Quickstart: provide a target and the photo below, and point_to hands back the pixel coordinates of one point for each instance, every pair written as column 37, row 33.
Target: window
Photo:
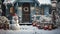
column 37, row 11
column 12, row 10
column 42, row 11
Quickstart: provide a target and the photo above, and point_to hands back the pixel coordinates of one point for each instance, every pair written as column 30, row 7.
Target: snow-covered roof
column 44, row 1
column 9, row 1
column 40, row 1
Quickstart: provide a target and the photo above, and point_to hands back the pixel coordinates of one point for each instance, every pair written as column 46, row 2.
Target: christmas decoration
column 4, row 23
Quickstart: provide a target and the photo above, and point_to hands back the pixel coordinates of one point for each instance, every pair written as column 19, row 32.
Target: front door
column 25, row 12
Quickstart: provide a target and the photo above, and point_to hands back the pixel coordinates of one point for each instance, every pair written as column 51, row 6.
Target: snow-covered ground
column 30, row 30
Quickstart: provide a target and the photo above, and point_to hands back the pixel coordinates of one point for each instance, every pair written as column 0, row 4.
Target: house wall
column 19, row 10
column 46, row 10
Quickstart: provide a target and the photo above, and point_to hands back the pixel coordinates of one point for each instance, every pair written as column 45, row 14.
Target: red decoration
column 34, row 24
column 45, row 27
column 50, row 27
column 14, row 14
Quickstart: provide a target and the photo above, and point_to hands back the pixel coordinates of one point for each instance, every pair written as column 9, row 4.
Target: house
column 26, row 9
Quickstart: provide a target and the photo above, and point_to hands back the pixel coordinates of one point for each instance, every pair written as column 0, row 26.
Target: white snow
column 30, row 31
column 44, row 1
column 9, row 1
